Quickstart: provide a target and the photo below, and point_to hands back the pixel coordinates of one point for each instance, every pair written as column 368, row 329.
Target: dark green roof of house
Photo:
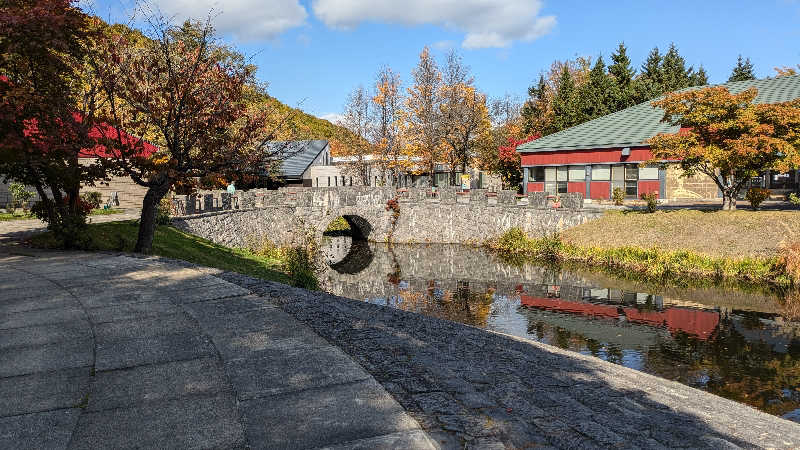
column 633, row 126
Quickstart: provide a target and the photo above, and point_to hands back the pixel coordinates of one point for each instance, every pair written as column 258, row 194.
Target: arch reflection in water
column 345, row 245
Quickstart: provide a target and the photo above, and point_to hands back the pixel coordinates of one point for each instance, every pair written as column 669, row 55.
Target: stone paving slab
column 325, row 416
column 110, row 351
column 44, row 430
column 41, row 317
column 203, row 422
column 43, row 391
column 45, row 334
column 44, row 358
column 152, row 350
column 157, row 382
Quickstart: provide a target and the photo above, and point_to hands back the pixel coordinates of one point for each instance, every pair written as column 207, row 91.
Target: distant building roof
column 633, row 126
column 301, row 155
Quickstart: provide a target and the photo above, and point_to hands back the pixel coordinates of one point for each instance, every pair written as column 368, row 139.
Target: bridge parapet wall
column 337, row 197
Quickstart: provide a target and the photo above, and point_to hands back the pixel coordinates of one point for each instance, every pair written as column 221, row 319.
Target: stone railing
column 214, row 201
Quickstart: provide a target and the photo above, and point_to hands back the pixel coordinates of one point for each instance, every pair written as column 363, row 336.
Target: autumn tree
column 193, row 94
column 728, row 137
column 465, row 116
column 387, row 129
column 48, row 111
column 422, row 113
column 508, row 165
column 536, row 113
column 355, row 145
column 742, row 71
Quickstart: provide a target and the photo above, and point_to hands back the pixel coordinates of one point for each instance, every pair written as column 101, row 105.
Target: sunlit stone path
column 105, row 351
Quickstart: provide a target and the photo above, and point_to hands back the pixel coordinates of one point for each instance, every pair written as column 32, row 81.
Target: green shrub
column 618, row 196
column 756, row 196
column 164, row 212
column 93, row 198
column 652, row 201
column 19, row 195
column 793, row 198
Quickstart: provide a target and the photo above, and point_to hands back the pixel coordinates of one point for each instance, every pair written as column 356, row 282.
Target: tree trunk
column 147, row 222
column 729, row 201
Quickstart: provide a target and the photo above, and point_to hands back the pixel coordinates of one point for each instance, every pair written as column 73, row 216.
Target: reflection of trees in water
column 458, row 305
column 746, row 371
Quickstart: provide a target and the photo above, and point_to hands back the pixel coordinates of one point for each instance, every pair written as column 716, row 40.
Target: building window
column 601, row 173
column 577, row 173
column 631, row 189
column 648, row 173
column 536, row 174
column 561, row 187
column 631, row 172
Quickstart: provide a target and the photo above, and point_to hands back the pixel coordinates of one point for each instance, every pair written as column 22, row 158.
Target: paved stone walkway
column 104, row 351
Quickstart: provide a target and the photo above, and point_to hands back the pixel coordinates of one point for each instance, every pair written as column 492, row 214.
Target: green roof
column 631, row 127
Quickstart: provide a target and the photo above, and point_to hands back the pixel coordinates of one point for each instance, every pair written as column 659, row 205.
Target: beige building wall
column 130, row 194
column 697, row 187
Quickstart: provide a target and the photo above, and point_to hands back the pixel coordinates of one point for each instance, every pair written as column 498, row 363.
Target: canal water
column 734, row 344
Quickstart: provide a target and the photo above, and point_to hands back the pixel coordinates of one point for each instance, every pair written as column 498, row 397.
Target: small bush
column 756, row 196
column 793, row 198
column 618, row 196
column 19, row 195
column 164, row 212
column 652, row 201
column 92, row 198
column 790, row 259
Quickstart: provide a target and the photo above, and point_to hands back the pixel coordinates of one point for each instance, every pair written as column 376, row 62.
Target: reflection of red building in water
column 692, row 321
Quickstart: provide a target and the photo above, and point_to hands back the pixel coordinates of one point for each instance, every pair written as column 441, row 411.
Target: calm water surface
column 731, row 343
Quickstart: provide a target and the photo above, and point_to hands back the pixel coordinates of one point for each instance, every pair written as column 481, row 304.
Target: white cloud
column 245, row 19
column 335, row 118
column 487, row 23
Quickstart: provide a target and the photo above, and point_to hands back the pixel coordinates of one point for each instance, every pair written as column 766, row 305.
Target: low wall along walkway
column 444, row 217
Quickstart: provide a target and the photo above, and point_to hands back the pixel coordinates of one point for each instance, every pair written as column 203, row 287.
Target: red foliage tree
column 48, row 110
column 509, row 166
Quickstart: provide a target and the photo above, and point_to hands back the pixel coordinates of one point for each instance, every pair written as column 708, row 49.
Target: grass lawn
column 105, row 212
column 722, row 234
column 173, row 243
column 4, row 217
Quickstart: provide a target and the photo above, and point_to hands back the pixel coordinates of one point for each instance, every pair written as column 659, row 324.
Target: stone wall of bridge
column 445, row 216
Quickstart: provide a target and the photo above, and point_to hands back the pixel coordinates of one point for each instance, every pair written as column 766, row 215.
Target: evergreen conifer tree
column 534, row 112
column 623, row 94
column 565, row 111
column 743, row 70
column 698, row 78
column 595, row 97
column 674, row 71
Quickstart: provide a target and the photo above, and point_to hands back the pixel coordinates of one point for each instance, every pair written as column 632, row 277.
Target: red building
column 596, row 157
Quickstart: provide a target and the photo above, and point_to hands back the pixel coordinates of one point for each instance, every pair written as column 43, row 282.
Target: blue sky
column 314, row 52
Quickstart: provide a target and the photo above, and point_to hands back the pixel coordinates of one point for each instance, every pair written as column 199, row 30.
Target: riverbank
column 752, row 249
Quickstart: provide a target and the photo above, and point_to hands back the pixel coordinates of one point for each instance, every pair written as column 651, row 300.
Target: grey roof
column 633, row 126
column 299, row 155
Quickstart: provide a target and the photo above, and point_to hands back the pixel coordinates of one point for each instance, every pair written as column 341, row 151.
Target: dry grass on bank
column 725, row 234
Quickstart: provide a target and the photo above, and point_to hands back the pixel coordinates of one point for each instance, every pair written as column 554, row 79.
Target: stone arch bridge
column 283, row 216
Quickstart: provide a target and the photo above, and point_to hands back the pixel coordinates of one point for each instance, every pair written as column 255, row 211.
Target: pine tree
column 595, row 96
column 674, row 71
column 622, row 94
column 565, row 112
column 652, row 66
column 743, row 70
column 534, row 113
column 699, row 78
column 621, row 68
